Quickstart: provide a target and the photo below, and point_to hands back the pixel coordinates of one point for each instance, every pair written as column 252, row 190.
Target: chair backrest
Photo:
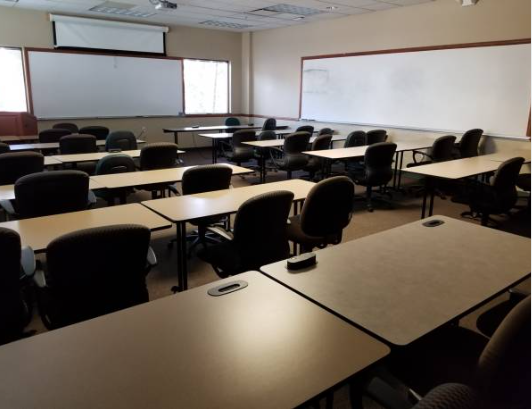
column 14, row 165
column 325, row 131
column 243, row 135
column 123, row 140
column 208, row 178
column 469, row 143
column 503, row 370
column 296, row 142
column 378, row 161
column 73, row 128
column 52, row 135
column 306, row 128
column 451, row 396
column 97, row 271
column 355, row 138
column 376, row 136
column 115, row 163
column 266, row 136
column 4, row 147
column 328, row 207
column 77, row 144
column 160, row 155
column 232, row 121
column 505, row 180
column 12, row 309
column 100, row 132
column 321, row 142
column 260, row 229
column 269, row 125
column 443, row 148
column 46, row 193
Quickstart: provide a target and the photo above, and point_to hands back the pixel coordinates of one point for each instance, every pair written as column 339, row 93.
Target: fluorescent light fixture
column 225, row 24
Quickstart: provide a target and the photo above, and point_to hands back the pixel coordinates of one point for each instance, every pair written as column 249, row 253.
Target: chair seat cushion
column 224, row 258
column 295, row 233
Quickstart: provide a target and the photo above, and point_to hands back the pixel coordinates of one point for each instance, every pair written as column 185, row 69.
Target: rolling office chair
column 377, row 171
column 325, row 131
column 71, row 144
column 47, row 193
column 327, row 210
column 355, row 138
column 123, row 140
column 315, row 164
column 262, row 153
column 232, row 121
column 14, row 165
column 376, row 136
column 73, row 128
column 4, row 148
column 240, row 152
column 94, row 272
column 160, row 155
column 468, row 145
column 441, row 151
column 17, row 264
column 500, row 195
column 53, row 135
column 202, row 179
column 306, row 128
column 293, row 158
column 523, row 183
column 269, row 125
column 110, row 164
column 259, row 236
column 100, row 132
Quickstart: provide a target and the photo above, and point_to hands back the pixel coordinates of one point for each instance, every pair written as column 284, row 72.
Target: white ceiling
column 232, row 15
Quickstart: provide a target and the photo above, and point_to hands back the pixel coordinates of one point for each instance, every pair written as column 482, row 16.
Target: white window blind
column 206, row 87
column 12, row 85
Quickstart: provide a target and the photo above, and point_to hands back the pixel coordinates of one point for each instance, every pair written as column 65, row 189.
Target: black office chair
column 17, row 264
column 241, row 152
column 259, row 236
column 232, row 121
column 53, row 135
column 293, row 158
column 306, row 128
column 355, row 138
column 73, row 128
column 110, row 164
column 14, row 165
column 325, row 131
column 326, row 212
column 160, row 155
column 269, row 125
column 315, row 164
column 71, row 144
column 123, row 140
column 201, row 179
column 500, row 195
column 377, row 171
column 441, row 151
column 468, row 145
column 376, row 136
column 94, row 272
column 47, row 193
column 100, row 132
column 523, row 182
column 4, row 148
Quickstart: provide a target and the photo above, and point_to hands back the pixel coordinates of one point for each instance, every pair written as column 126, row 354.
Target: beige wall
column 276, row 54
column 29, row 28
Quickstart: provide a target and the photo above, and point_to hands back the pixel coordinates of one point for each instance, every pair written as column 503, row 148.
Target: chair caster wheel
column 175, row 289
column 370, row 209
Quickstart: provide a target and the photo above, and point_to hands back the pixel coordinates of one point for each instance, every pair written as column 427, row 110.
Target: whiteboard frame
column 413, row 50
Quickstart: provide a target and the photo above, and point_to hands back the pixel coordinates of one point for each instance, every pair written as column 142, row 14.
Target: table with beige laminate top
column 261, row 346
column 403, row 283
column 91, row 157
column 51, row 145
column 182, row 209
column 7, row 192
column 505, row 155
column 19, row 138
column 38, row 232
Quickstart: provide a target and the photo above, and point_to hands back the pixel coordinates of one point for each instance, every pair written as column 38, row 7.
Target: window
column 12, row 85
column 206, row 87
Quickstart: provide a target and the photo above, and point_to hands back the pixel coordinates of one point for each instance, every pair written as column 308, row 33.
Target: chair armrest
column 27, row 261
column 517, row 294
column 7, row 205
column 39, row 278
column 423, row 154
column 385, row 395
column 151, row 258
column 221, row 232
column 91, row 199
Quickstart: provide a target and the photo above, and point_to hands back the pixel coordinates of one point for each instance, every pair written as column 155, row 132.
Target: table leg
column 214, row 153
column 425, row 193
column 400, row 170
column 431, row 205
column 181, row 262
column 395, row 173
column 263, row 168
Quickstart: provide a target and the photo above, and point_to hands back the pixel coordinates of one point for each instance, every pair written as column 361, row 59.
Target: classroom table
column 403, row 283
column 38, row 232
column 50, row 161
column 504, row 156
column 18, row 138
column 95, row 156
column 51, row 145
column 7, row 192
column 261, row 346
column 182, row 209
column 451, row 170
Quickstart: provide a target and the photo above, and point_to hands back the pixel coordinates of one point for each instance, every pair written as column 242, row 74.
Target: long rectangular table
column 403, row 283
column 91, row 157
column 7, row 192
column 38, row 232
column 51, row 145
column 259, row 347
column 18, row 138
column 505, row 155
column 182, row 209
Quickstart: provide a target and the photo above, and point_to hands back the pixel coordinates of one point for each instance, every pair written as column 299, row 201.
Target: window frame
column 27, row 94
column 228, row 62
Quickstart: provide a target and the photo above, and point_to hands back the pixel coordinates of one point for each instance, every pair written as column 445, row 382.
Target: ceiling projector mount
column 163, row 5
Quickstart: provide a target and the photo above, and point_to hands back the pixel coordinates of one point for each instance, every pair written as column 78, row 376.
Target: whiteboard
column 67, row 85
column 442, row 90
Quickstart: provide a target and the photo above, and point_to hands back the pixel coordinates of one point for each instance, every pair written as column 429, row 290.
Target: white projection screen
column 74, row 85
column 443, row 90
